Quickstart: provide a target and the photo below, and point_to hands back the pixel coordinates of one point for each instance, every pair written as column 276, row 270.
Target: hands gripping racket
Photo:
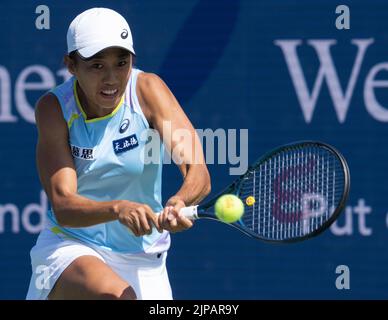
column 294, row 192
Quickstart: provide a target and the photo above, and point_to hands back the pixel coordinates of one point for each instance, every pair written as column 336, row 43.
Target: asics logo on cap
column 124, row 34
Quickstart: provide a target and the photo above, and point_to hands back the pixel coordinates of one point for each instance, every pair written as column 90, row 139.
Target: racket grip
column 190, row 212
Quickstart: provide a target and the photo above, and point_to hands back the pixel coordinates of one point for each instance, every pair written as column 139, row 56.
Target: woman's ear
column 70, row 64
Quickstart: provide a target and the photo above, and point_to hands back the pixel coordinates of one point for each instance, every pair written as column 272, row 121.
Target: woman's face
column 103, row 78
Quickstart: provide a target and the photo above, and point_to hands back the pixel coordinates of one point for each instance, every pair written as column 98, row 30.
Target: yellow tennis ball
column 250, row 201
column 229, row 208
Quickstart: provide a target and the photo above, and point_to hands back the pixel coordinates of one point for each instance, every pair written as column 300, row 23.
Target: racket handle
column 190, row 212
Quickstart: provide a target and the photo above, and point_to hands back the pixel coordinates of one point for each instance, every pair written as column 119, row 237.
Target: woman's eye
column 122, row 63
column 96, row 66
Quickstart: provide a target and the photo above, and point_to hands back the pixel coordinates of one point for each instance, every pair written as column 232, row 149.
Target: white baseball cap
column 96, row 29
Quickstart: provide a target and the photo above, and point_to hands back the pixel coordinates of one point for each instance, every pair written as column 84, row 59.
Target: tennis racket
column 298, row 189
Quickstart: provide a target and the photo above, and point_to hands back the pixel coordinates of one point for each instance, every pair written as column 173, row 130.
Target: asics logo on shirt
column 124, row 126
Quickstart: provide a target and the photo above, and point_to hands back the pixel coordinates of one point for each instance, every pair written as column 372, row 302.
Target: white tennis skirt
column 53, row 253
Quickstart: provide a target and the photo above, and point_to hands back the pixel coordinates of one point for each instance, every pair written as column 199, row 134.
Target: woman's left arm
column 164, row 114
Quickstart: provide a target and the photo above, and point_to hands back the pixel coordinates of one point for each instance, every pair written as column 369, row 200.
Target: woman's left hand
column 170, row 219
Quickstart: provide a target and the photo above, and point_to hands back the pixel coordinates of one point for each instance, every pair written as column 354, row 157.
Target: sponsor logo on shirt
column 82, row 153
column 125, row 144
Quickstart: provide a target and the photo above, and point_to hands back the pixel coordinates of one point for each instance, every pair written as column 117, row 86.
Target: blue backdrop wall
column 280, row 69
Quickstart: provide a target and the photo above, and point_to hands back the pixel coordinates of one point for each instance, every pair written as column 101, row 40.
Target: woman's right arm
column 58, row 177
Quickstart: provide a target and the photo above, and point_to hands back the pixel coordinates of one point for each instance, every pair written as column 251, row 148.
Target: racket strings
column 295, row 192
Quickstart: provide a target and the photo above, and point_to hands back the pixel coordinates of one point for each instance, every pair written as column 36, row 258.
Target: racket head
column 299, row 189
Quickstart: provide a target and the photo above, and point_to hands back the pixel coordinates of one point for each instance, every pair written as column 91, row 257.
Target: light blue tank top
column 112, row 159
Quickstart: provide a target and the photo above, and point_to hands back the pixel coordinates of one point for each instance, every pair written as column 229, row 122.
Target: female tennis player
column 100, row 163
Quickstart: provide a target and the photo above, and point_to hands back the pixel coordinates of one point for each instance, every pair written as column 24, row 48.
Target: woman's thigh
column 88, row 277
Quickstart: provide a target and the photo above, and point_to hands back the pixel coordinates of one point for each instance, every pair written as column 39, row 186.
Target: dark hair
column 72, row 55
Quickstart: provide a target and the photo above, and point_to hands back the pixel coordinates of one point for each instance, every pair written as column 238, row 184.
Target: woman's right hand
column 138, row 217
